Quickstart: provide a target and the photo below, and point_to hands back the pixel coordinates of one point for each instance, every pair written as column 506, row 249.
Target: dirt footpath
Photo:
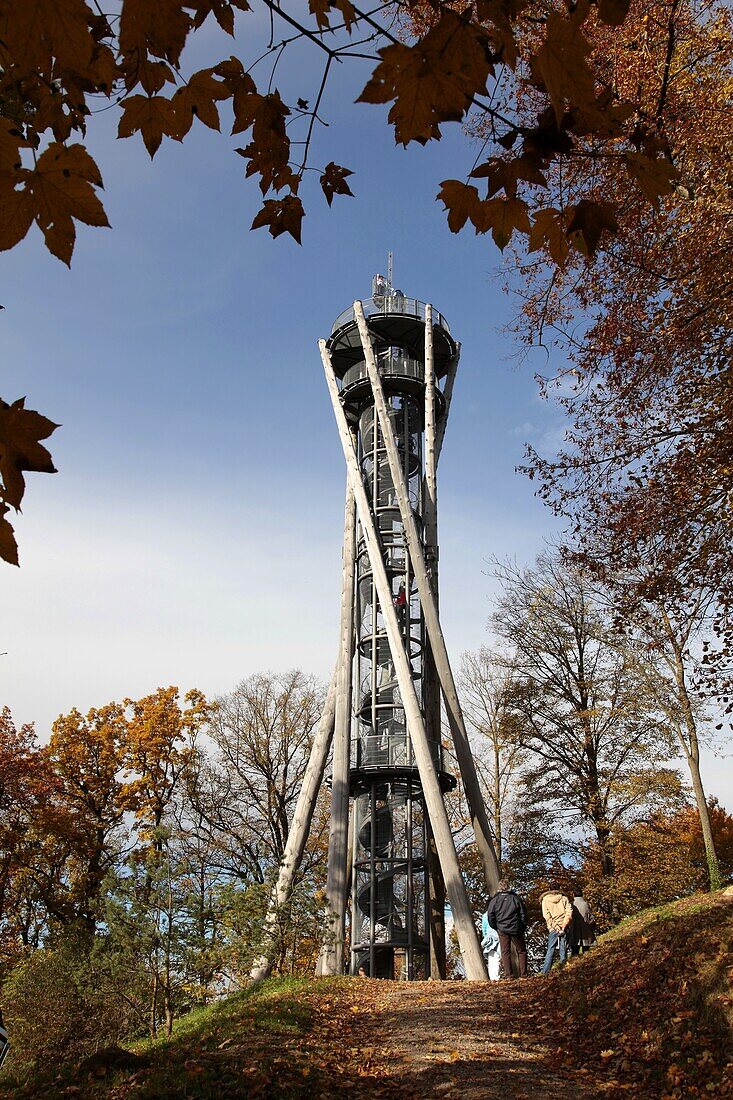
column 454, row 1039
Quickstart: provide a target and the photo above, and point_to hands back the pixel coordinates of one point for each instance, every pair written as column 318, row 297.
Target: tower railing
column 395, row 367
column 391, row 303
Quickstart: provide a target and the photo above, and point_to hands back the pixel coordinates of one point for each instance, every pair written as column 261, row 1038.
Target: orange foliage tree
column 648, row 325
column 658, row 860
column 85, row 753
column 26, row 786
column 127, row 847
column 542, row 79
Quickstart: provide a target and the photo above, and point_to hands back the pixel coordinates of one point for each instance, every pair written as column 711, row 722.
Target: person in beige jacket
column 558, row 913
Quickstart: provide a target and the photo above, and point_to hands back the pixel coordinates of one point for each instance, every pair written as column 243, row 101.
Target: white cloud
column 108, row 605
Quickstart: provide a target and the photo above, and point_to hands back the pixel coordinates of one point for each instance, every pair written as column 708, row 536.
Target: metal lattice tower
column 390, row 365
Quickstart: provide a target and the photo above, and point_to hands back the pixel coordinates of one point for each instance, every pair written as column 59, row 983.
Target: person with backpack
column 558, row 914
column 506, row 913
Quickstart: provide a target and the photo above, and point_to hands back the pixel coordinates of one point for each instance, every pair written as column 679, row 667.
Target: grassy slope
column 283, row 1038
column 648, row 1013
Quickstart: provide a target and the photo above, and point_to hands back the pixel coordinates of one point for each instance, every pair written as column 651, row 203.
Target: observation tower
column 390, row 365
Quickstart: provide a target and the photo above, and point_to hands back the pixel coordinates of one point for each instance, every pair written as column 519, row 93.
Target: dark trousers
column 506, row 939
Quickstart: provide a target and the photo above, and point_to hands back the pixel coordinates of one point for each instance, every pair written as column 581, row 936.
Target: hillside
column 648, row 1013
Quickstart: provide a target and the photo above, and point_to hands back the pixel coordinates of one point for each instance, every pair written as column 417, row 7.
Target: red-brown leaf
column 16, row 210
column 61, row 190
column 333, row 181
column 613, row 12
column 8, row 545
column 152, row 116
column 20, row 449
column 223, row 12
column 11, row 142
column 321, row 8
column 281, row 216
column 548, row 232
column 504, row 174
column 34, row 32
column 502, row 217
column 588, row 223
column 561, row 62
column 461, row 201
column 433, row 81
column 654, row 175
column 198, row 98
column 159, row 28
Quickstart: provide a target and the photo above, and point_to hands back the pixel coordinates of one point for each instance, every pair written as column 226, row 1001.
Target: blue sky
column 192, row 534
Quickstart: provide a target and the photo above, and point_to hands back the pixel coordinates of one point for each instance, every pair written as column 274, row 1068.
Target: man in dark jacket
column 506, row 913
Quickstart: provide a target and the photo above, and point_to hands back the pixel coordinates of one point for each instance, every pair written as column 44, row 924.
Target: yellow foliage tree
column 160, row 739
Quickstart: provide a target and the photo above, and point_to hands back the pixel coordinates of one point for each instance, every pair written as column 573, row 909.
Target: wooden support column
column 466, row 930
column 464, row 755
column 447, row 397
column 331, row 958
column 431, row 684
column 298, row 834
column 430, row 494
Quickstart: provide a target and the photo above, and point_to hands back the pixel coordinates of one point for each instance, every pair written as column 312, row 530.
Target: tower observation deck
column 390, row 365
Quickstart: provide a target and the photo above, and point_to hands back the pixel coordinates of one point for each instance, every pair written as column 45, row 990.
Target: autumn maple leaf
column 333, row 181
column 34, row 34
column 655, row 176
column 561, row 62
column 433, row 81
column 502, row 216
column 58, row 190
column 160, row 28
column 587, row 223
column 21, row 430
column 321, row 8
column 152, row 116
column 281, row 216
column 198, row 98
column 504, row 174
column 8, row 545
column 548, row 232
column 462, row 202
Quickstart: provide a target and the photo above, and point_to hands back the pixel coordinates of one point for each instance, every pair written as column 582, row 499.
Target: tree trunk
column 168, row 1005
column 204, row 973
column 436, row 914
column 693, row 761
column 608, row 868
column 497, row 795
column 691, row 748
column 153, row 1024
column 596, row 808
